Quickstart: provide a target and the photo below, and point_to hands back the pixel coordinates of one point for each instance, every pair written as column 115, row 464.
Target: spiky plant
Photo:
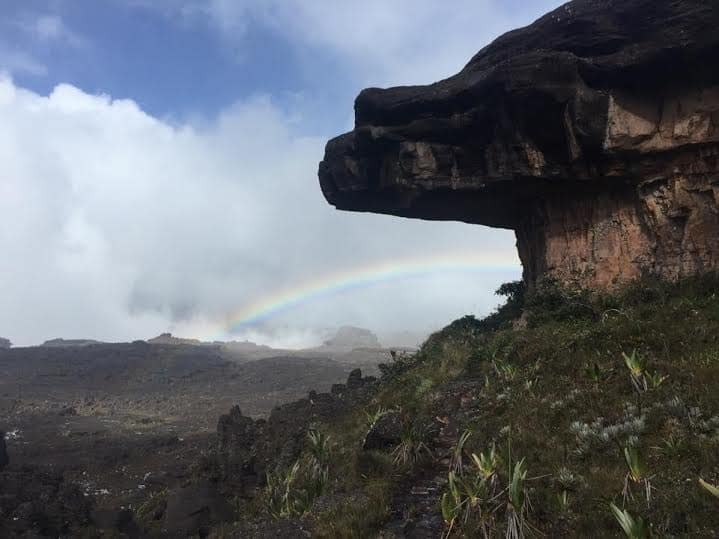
column 595, row 373
column 451, row 502
column 456, row 463
column 636, row 473
column 634, row 528
column 637, row 370
column 318, row 447
column 463, row 500
column 671, row 446
column 518, row 501
column 318, row 458
column 487, row 462
column 563, row 501
column 282, row 493
column 505, row 370
column 412, row 447
column 656, row 379
column 373, row 417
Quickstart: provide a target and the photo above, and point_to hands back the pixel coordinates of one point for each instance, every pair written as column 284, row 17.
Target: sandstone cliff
column 593, row 133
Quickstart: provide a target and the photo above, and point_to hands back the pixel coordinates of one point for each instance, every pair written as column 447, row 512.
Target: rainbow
column 282, row 300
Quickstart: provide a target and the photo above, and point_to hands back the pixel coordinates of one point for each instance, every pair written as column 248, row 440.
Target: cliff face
column 593, row 133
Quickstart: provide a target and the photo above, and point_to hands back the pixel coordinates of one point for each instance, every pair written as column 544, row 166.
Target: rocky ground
column 117, row 424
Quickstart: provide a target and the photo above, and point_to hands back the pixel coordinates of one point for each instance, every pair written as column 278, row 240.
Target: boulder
column 237, row 437
column 593, row 134
column 354, row 380
column 192, row 510
column 385, row 433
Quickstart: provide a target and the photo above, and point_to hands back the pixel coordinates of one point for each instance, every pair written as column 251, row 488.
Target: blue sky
column 179, row 58
column 122, row 120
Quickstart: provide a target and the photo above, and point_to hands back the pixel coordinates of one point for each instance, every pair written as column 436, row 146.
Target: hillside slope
column 597, row 400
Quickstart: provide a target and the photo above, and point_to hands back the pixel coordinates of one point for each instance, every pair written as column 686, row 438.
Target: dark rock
column 192, row 510
column 593, row 134
column 4, row 458
column 5, row 343
column 385, row 433
column 121, row 520
column 248, row 448
column 41, row 504
column 354, row 380
column 68, row 411
column 238, row 436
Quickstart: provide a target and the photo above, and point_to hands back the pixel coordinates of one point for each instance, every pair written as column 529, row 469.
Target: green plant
column 412, row 447
column 671, row 446
column 284, row 498
column 451, row 502
column 655, row 379
column 352, row 520
column 506, row 371
column 373, row 417
column 487, row 462
column 711, row 489
column 637, row 370
column 318, row 458
column 472, row 493
column 567, row 479
column 563, row 501
column 636, row 473
column 596, row 374
column 456, row 462
column 292, row 492
column 634, row 528
column 464, row 499
column 518, row 501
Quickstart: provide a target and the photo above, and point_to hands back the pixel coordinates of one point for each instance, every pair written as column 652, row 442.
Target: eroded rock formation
column 248, row 448
column 593, row 134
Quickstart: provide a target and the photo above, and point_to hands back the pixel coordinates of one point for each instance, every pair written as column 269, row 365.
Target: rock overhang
column 592, row 102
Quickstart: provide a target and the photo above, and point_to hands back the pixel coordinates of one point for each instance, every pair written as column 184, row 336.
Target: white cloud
column 23, row 40
column 380, row 42
column 19, row 62
column 117, row 225
column 50, row 28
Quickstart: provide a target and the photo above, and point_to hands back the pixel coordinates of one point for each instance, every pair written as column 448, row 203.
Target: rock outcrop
column 593, row 134
column 348, row 338
column 248, row 448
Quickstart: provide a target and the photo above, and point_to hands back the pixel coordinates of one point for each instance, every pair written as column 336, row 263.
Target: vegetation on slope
column 591, row 416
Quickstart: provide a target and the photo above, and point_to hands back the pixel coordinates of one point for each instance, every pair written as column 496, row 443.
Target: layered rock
column 593, row 134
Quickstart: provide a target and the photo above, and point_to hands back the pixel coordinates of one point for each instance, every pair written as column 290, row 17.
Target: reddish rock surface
column 593, row 134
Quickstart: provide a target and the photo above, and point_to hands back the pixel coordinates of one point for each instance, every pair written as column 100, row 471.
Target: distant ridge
column 70, row 342
column 168, row 338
